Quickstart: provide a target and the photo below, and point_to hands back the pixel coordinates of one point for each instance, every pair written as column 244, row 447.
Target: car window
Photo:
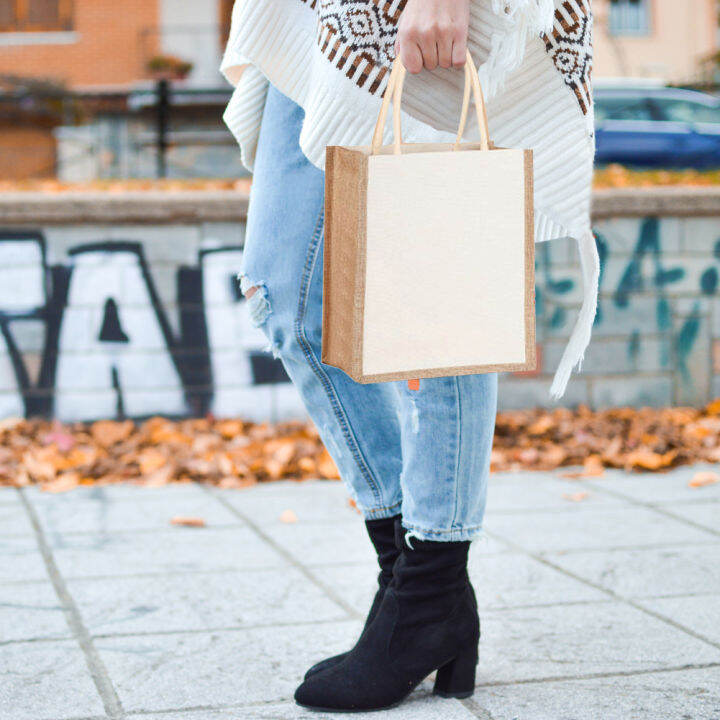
column 686, row 111
column 622, row 107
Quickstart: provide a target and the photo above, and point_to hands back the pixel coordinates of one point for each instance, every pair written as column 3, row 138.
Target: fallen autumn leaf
column 575, row 497
column 288, row 516
column 703, row 479
column 187, row 521
column 233, row 453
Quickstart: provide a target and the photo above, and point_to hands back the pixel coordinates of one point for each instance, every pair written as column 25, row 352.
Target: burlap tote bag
column 429, row 253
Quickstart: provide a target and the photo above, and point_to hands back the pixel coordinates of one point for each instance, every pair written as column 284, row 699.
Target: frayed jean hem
column 379, row 513
column 453, row 535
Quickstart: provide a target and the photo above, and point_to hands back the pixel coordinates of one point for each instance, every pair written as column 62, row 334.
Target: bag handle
column 393, row 92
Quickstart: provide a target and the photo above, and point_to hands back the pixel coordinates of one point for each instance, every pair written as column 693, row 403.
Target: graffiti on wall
column 90, row 338
column 644, row 273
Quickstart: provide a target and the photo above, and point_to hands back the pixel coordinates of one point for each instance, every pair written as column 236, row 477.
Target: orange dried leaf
column 187, row 521
column 108, row 432
column 307, row 466
column 229, row 428
column 575, row 497
column 64, row 482
column 10, row 423
column 288, row 516
column 592, row 467
column 161, row 476
column 151, row 460
column 703, row 479
column 648, row 460
column 326, row 467
column 541, row 426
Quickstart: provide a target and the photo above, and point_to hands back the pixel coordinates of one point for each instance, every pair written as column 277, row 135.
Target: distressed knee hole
column 258, row 303
column 257, row 299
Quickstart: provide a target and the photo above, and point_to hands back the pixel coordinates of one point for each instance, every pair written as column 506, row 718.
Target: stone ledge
column 682, row 201
column 149, row 208
column 194, row 206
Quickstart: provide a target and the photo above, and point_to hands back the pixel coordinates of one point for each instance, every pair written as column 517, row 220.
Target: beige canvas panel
column 445, row 243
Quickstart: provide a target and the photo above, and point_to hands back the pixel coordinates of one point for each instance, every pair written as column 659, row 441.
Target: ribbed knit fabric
column 534, row 58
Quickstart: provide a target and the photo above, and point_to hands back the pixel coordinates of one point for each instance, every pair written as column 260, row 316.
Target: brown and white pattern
column 358, row 36
column 570, row 46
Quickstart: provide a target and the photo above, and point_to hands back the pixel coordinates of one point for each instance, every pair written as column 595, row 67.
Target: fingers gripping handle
column 393, row 93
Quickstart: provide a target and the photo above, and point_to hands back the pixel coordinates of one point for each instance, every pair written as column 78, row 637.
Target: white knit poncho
column 534, row 57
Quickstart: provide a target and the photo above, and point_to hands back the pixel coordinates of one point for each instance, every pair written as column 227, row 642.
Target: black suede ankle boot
column 427, row 621
column 382, row 535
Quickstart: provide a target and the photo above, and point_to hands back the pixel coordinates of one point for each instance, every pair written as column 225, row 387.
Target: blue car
column 657, row 127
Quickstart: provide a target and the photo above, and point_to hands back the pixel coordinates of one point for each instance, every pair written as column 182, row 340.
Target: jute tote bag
column 429, row 253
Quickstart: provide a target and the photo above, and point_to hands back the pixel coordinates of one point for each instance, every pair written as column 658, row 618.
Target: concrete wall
column 128, row 304
column 681, row 35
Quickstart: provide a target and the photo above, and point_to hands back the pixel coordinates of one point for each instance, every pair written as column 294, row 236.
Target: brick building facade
column 93, row 46
column 94, row 43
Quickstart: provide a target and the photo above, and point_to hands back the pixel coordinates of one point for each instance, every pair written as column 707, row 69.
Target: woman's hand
column 432, row 33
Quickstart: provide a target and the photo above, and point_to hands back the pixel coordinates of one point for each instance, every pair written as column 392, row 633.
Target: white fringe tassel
column 580, row 338
column 525, row 19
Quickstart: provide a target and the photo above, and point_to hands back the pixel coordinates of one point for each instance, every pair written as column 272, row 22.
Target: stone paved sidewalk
column 605, row 608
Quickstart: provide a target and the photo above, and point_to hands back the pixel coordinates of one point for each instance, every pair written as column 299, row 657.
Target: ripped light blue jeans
column 423, row 453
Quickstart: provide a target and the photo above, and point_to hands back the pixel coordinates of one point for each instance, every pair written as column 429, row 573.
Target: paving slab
column 522, row 492
column 514, row 580
column 701, row 512
column 421, row 705
column 668, row 487
column 132, row 512
column 31, row 611
column 14, row 520
column 701, row 613
column 20, row 559
column 576, row 640
column 211, row 669
column 178, row 549
column 355, row 583
column 323, row 501
column 8, row 496
column 601, row 529
column 684, row 695
column 648, row 572
column 46, row 681
column 315, row 544
column 201, row 601
column 116, row 492
column 222, row 622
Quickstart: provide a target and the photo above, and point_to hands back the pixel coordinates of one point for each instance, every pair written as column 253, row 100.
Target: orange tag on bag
column 414, row 384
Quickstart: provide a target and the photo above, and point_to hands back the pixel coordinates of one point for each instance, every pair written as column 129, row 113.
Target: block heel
column 456, row 679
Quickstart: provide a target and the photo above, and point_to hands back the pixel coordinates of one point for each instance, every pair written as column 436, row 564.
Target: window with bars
column 35, row 15
column 629, row 17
